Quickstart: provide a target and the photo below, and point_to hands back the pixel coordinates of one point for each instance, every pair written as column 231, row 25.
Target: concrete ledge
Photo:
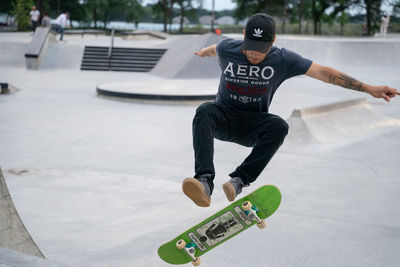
column 83, row 32
column 6, row 88
column 161, row 90
column 327, row 108
column 154, row 96
column 148, row 34
column 336, row 125
column 13, row 258
column 37, row 47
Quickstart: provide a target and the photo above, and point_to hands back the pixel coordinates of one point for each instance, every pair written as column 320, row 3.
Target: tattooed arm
column 336, row 77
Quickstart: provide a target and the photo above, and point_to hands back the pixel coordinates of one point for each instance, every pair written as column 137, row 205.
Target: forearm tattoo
column 346, row 81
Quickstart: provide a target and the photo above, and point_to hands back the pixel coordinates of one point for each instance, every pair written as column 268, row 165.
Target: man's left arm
column 332, row 76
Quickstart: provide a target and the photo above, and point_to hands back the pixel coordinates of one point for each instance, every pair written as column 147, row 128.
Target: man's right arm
column 335, row 77
column 209, row 51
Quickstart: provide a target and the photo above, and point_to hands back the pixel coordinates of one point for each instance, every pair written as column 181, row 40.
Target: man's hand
column 384, row 92
column 210, row 51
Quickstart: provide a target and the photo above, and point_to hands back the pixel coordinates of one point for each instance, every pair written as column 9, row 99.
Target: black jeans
column 33, row 25
column 263, row 131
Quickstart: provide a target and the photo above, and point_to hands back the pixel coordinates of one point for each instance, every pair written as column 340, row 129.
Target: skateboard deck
column 222, row 226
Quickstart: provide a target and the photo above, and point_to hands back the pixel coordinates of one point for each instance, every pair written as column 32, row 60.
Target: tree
column 372, row 8
column 245, row 8
column 343, row 20
column 120, row 9
column 284, row 14
column 22, row 11
column 183, row 6
column 319, row 8
column 300, row 14
column 6, row 6
column 298, row 11
column 94, row 7
column 134, row 12
column 163, row 6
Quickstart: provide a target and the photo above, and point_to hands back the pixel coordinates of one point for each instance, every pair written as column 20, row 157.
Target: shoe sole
column 230, row 191
column 194, row 190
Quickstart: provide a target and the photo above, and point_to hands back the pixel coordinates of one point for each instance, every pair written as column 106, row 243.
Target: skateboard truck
column 251, row 213
column 190, row 250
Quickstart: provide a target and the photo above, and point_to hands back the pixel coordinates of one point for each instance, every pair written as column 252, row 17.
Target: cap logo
column 257, row 32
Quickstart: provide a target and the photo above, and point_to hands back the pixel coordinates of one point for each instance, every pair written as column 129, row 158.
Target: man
column 35, row 15
column 46, row 22
column 252, row 70
column 384, row 24
column 61, row 23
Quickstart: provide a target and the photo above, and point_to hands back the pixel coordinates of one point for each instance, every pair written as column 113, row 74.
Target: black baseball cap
column 260, row 32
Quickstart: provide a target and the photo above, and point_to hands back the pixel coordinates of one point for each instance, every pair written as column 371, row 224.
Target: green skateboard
column 222, row 226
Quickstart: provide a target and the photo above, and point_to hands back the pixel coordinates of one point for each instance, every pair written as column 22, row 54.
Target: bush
column 22, row 11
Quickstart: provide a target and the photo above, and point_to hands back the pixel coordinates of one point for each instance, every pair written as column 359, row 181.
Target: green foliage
column 6, row 6
column 312, row 13
column 246, row 8
column 22, row 10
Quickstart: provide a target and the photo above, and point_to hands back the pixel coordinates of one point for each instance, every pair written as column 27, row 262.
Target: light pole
column 213, row 16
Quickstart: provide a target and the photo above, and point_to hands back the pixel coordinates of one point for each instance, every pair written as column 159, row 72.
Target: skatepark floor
column 97, row 181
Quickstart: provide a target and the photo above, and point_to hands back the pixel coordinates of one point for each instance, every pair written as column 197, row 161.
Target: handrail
column 110, row 48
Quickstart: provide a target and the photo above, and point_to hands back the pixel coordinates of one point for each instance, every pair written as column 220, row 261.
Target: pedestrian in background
column 384, row 24
column 46, row 22
column 35, row 15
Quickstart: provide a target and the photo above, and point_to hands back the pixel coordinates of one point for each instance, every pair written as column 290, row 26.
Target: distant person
column 384, row 24
column 61, row 23
column 46, row 22
column 35, row 15
column 364, row 30
column 252, row 70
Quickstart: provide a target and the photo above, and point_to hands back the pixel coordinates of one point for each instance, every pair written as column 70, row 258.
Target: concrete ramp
column 180, row 62
column 361, row 53
column 336, row 125
column 13, row 234
column 12, row 258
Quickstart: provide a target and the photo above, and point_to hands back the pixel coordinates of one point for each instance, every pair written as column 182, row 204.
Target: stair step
column 144, row 59
column 117, row 69
column 122, row 58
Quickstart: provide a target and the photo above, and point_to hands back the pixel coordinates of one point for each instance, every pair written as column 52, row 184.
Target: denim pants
column 263, row 131
column 57, row 28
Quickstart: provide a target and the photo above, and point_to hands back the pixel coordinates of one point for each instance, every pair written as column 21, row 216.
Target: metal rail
column 110, row 49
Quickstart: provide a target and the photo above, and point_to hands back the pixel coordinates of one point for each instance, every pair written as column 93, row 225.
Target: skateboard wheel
column 262, row 224
column 197, row 262
column 246, row 205
column 180, row 244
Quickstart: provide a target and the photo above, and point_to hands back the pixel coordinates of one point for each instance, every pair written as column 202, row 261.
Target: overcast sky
column 219, row 4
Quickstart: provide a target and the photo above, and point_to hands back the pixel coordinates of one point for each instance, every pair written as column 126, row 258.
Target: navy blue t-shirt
column 251, row 87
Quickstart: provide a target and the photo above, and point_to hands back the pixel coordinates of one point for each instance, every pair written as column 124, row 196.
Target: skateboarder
column 61, row 23
column 252, row 70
